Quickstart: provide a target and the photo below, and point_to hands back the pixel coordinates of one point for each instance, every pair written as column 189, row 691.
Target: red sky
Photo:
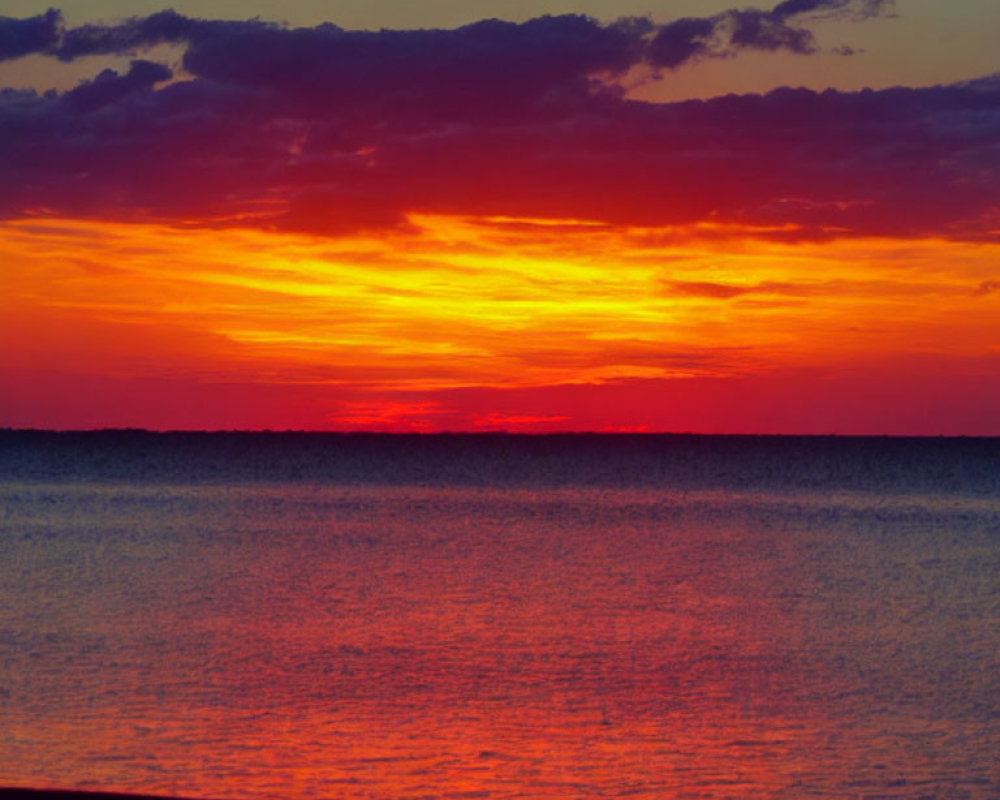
column 513, row 224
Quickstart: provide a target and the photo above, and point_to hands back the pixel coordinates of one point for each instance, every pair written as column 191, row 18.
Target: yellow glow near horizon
column 457, row 301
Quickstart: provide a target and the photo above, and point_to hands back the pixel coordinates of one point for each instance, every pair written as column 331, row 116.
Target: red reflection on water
column 444, row 643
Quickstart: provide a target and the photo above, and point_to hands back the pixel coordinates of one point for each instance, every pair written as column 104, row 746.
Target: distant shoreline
column 72, row 794
column 483, row 434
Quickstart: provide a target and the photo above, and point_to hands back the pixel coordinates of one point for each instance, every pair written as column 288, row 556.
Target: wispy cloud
column 724, row 35
column 727, row 290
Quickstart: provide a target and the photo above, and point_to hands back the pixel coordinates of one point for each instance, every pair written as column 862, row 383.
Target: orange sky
column 390, row 331
column 459, row 249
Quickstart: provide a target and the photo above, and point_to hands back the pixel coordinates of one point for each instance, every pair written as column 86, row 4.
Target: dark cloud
column 575, row 43
column 109, row 87
column 489, row 69
column 19, row 37
column 857, row 9
column 682, row 40
column 131, row 35
column 572, row 41
column 753, row 29
column 329, row 130
column 724, row 34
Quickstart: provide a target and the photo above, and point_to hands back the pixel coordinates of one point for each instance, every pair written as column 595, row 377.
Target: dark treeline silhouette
column 682, row 461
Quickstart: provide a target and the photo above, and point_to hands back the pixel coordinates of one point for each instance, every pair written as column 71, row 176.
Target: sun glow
column 465, row 302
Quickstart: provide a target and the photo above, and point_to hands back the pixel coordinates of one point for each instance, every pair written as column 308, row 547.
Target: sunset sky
column 527, row 216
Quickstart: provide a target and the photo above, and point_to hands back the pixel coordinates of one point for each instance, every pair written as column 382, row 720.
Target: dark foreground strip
column 55, row 794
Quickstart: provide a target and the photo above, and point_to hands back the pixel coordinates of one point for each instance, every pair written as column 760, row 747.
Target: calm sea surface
column 294, row 616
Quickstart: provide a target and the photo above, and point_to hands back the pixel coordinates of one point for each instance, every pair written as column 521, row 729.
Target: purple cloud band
column 621, row 44
column 329, row 130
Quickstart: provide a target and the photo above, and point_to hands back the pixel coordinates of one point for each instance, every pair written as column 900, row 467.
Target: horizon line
column 485, row 433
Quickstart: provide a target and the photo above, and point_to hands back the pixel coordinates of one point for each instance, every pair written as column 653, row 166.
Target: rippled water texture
column 300, row 639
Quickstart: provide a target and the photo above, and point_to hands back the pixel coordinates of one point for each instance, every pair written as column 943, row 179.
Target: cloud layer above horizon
column 329, row 131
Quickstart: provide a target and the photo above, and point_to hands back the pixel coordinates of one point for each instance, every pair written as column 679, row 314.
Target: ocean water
column 305, row 616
